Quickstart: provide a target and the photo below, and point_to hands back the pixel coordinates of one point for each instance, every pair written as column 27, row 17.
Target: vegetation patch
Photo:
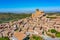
column 4, row 38
column 35, row 37
column 51, row 17
column 52, row 31
column 57, row 34
column 6, row 17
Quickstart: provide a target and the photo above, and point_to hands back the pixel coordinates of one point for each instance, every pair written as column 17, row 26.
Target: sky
column 29, row 5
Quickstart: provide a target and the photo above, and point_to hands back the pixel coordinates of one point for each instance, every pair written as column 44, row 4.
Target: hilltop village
column 37, row 24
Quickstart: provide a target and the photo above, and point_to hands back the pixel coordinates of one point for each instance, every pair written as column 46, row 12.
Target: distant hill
column 6, row 17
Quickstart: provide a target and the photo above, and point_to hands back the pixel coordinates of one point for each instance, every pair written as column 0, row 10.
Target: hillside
column 37, row 24
column 6, row 17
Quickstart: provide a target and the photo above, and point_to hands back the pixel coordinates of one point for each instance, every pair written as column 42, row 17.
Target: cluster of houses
column 36, row 24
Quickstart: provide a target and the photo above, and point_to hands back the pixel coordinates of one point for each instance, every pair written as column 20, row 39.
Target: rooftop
column 19, row 35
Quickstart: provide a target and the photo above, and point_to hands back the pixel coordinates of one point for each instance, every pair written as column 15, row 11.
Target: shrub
column 34, row 37
column 53, row 31
column 4, row 38
column 57, row 34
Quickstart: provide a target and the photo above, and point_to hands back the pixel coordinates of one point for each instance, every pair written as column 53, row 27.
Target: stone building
column 37, row 13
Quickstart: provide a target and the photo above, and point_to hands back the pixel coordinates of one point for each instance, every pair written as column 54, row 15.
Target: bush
column 53, row 31
column 4, row 38
column 34, row 37
column 57, row 34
